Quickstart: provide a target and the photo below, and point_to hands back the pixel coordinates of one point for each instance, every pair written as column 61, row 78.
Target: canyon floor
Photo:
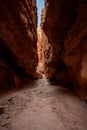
column 42, row 105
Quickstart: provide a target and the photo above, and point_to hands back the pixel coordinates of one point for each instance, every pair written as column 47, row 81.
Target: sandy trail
column 42, row 106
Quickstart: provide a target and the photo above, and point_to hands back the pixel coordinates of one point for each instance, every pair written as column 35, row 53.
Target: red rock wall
column 60, row 16
column 18, row 36
column 41, row 47
column 66, row 27
column 75, row 51
column 44, row 48
column 47, row 48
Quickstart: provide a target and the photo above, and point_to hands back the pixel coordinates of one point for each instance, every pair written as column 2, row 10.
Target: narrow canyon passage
column 43, row 65
column 42, row 105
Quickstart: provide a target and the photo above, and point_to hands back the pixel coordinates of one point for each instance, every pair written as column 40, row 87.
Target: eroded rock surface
column 18, row 39
column 66, row 27
column 60, row 16
column 42, row 46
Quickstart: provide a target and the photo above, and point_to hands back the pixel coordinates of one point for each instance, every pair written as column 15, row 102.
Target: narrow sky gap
column 40, row 5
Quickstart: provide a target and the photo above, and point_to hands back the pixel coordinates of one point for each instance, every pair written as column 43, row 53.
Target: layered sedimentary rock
column 66, row 27
column 18, row 39
column 44, row 48
column 47, row 48
column 75, row 51
column 42, row 45
column 60, row 16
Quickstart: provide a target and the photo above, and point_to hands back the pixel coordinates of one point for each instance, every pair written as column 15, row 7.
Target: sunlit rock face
column 44, row 48
column 47, row 48
column 66, row 27
column 18, row 38
column 40, row 45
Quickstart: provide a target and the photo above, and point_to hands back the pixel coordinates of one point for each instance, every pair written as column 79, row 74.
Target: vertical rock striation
column 66, row 27
column 60, row 16
column 18, row 39
column 75, row 51
column 44, row 48
column 40, row 44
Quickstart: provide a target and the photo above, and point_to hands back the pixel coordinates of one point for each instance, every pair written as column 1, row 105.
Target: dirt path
column 42, row 106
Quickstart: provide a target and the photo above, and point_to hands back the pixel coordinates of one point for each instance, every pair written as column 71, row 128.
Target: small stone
column 4, row 124
column 54, row 107
column 10, row 99
column 8, row 117
column 1, row 110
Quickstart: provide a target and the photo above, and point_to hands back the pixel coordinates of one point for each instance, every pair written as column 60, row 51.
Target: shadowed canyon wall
column 18, row 40
column 66, row 27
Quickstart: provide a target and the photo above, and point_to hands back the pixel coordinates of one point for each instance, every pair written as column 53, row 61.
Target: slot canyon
column 43, row 69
